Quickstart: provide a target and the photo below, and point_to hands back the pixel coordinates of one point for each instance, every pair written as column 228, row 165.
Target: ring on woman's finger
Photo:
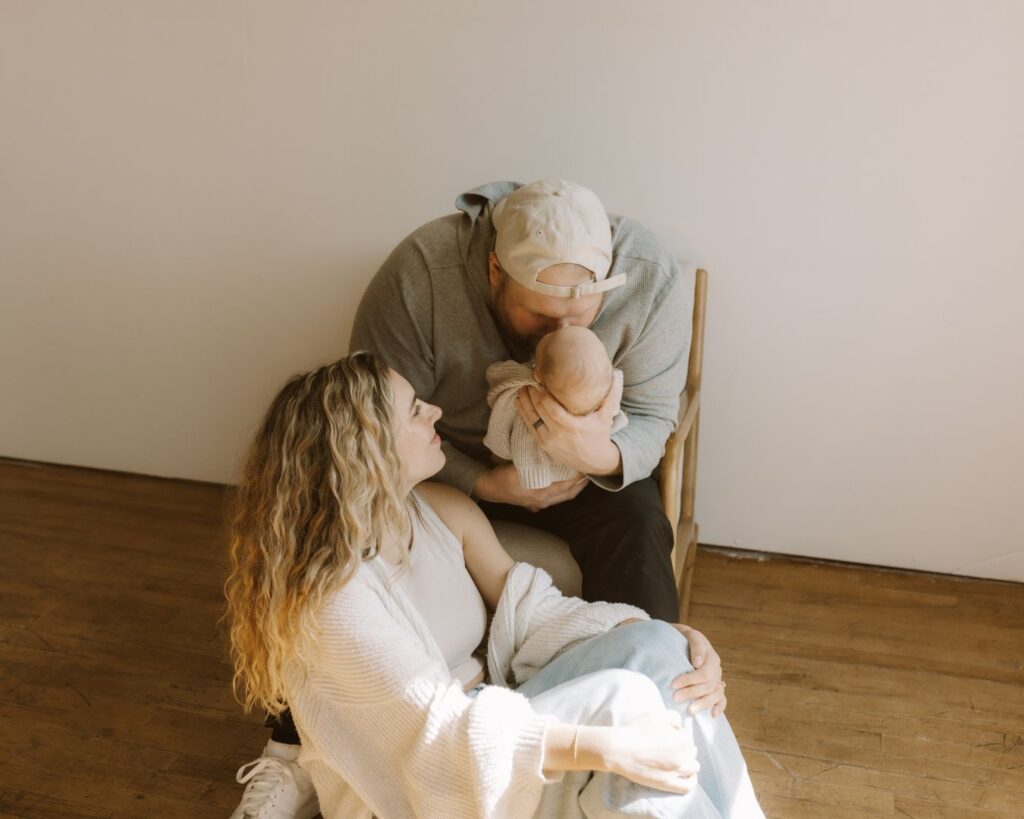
column 722, row 683
column 538, row 423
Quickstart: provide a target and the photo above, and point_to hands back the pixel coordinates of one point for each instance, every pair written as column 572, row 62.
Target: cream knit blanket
column 507, row 435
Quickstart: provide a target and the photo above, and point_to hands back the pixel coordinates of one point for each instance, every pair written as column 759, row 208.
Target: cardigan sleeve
column 534, row 621
column 390, row 721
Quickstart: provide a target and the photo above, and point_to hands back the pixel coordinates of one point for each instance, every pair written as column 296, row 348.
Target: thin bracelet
column 576, row 748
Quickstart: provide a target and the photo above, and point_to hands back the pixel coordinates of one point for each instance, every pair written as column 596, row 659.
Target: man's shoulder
column 633, row 243
column 413, row 267
column 435, row 243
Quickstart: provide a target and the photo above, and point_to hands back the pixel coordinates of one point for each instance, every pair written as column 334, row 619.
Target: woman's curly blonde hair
column 320, row 488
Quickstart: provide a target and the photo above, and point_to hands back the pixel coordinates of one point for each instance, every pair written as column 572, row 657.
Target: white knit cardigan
column 507, row 435
column 387, row 731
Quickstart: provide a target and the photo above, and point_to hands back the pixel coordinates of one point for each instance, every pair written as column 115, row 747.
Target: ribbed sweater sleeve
column 386, row 717
column 654, row 366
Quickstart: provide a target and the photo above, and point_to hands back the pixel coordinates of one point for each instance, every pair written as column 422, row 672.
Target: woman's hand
column 651, row 750
column 704, row 685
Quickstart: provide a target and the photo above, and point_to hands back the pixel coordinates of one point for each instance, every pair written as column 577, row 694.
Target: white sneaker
column 276, row 787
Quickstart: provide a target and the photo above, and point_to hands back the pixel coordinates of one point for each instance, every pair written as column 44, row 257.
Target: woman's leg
column 275, row 783
column 575, row 686
column 283, row 728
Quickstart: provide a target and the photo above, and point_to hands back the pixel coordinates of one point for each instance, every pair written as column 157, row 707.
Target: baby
column 572, row 365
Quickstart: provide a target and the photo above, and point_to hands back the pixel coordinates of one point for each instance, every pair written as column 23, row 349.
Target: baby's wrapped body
column 507, row 435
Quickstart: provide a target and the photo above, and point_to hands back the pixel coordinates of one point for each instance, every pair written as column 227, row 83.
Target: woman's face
column 419, row 447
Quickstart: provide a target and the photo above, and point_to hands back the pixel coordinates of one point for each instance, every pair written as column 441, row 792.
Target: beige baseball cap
column 554, row 222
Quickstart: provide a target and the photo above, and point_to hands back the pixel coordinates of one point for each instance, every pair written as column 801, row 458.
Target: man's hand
column 501, row 485
column 704, row 685
column 580, row 441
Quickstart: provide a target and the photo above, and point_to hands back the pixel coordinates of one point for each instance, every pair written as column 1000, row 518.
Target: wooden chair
column 677, row 476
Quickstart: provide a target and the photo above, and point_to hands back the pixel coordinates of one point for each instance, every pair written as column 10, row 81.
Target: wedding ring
column 538, row 423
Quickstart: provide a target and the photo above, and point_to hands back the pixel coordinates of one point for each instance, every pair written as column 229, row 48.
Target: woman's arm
column 385, row 714
column 489, row 564
column 651, row 750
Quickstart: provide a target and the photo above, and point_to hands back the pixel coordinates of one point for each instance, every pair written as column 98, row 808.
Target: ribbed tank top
column 438, row 584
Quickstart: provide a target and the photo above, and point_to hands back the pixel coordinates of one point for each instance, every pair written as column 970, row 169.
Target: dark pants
column 622, row 542
column 284, row 729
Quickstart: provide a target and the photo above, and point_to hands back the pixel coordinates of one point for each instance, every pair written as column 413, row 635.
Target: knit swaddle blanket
column 507, row 435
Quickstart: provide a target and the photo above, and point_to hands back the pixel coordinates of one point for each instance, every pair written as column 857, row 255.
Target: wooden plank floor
column 854, row 692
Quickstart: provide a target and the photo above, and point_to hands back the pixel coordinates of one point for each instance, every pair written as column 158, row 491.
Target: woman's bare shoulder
column 456, row 509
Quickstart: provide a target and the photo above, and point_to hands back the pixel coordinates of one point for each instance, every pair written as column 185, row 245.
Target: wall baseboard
column 29, row 464
column 763, row 556
column 728, row 551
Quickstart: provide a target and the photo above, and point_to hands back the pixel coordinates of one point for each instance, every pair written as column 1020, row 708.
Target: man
column 484, row 285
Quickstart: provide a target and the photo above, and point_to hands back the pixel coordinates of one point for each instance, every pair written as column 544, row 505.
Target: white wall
column 193, row 195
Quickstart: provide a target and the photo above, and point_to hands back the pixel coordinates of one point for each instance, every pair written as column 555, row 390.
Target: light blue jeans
column 614, row 678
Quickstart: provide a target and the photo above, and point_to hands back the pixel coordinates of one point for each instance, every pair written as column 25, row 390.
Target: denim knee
column 626, row 696
column 652, row 645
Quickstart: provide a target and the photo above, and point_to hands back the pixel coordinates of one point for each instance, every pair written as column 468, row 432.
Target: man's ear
column 493, row 270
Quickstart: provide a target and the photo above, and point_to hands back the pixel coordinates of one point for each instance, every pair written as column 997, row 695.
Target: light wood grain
column 678, row 468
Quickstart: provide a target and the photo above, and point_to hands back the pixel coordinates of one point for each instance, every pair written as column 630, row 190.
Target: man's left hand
column 580, row 441
column 704, row 685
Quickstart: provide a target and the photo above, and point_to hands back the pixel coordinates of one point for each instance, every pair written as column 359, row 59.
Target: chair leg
column 686, row 584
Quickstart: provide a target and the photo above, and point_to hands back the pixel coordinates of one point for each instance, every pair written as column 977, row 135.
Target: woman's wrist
column 591, row 748
column 575, row 748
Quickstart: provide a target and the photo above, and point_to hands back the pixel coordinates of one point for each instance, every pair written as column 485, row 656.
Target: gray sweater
column 428, row 313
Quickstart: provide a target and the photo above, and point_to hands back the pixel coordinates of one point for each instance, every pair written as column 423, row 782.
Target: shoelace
column 263, row 776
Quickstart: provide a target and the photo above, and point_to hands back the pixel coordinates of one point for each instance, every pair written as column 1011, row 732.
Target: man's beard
column 521, row 346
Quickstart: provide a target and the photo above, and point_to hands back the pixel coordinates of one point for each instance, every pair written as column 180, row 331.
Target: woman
column 357, row 597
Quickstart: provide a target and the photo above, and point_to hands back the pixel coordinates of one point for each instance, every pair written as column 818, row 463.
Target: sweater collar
column 476, row 233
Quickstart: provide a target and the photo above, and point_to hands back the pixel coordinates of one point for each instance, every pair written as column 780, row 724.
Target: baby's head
column 573, row 366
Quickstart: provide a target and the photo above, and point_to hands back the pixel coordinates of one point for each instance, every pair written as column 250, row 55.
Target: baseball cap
column 554, row 222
